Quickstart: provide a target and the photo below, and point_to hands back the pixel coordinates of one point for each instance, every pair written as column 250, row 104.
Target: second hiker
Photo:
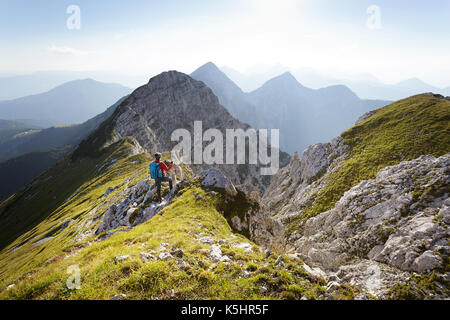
column 158, row 171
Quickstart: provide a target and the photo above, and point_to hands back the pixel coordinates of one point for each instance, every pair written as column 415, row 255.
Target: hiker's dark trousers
column 158, row 182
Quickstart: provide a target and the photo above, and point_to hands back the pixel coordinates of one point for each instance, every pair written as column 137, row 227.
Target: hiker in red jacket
column 158, row 171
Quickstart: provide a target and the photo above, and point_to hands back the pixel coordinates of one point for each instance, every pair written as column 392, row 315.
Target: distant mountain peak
column 72, row 102
column 210, row 64
column 286, row 80
column 87, row 82
column 215, row 78
column 209, row 67
column 418, row 85
column 339, row 88
column 287, row 75
column 414, row 80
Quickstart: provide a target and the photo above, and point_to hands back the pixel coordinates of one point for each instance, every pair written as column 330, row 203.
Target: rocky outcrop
column 400, row 218
column 438, row 96
column 241, row 206
column 135, row 208
column 364, row 117
column 295, row 186
column 382, row 230
column 213, row 178
column 261, row 227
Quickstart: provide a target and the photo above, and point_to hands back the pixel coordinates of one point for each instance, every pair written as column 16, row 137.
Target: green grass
column 419, row 287
column 178, row 225
column 399, row 132
column 27, row 221
column 40, row 272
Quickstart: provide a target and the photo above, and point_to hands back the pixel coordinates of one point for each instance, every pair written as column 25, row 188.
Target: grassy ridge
column 399, row 132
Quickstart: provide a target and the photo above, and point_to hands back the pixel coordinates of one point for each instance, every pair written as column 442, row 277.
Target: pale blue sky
column 146, row 37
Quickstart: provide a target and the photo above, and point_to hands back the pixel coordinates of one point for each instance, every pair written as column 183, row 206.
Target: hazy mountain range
column 70, row 103
column 17, row 86
column 27, row 153
column 366, row 86
column 303, row 115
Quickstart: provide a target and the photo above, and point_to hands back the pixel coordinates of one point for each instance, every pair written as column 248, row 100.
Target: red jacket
column 163, row 167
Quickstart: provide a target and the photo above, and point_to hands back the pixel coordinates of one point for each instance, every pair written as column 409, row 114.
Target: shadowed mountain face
column 70, row 103
column 31, row 140
column 303, row 115
column 9, row 128
column 17, row 172
column 27, row 153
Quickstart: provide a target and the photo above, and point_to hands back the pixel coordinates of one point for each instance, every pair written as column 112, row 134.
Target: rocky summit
column 171, row 101
column 364, row 216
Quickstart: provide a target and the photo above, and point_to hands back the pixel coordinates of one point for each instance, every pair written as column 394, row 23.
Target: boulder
column 120, row 296
column 145, row 257
column 165, row 256
column 214, row 178
column 426, row 262
column 177, row 253
column 247, row 247
column 181, row 264
column 122, row 258
column 215, row 253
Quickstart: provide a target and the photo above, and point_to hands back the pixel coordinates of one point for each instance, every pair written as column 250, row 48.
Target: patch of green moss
column 420, row 287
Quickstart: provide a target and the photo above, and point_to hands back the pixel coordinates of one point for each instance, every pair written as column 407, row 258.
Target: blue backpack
column 155, row 170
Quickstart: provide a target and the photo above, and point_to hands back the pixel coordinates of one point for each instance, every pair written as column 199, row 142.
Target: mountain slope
column 229, row 94
column 187, row 250
column 70, row 103
column 54, row 137
column 17, row 172
column 365, row 216
column 304, row 115
column 10, row 128
column 372, row 195
column 171, row 101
